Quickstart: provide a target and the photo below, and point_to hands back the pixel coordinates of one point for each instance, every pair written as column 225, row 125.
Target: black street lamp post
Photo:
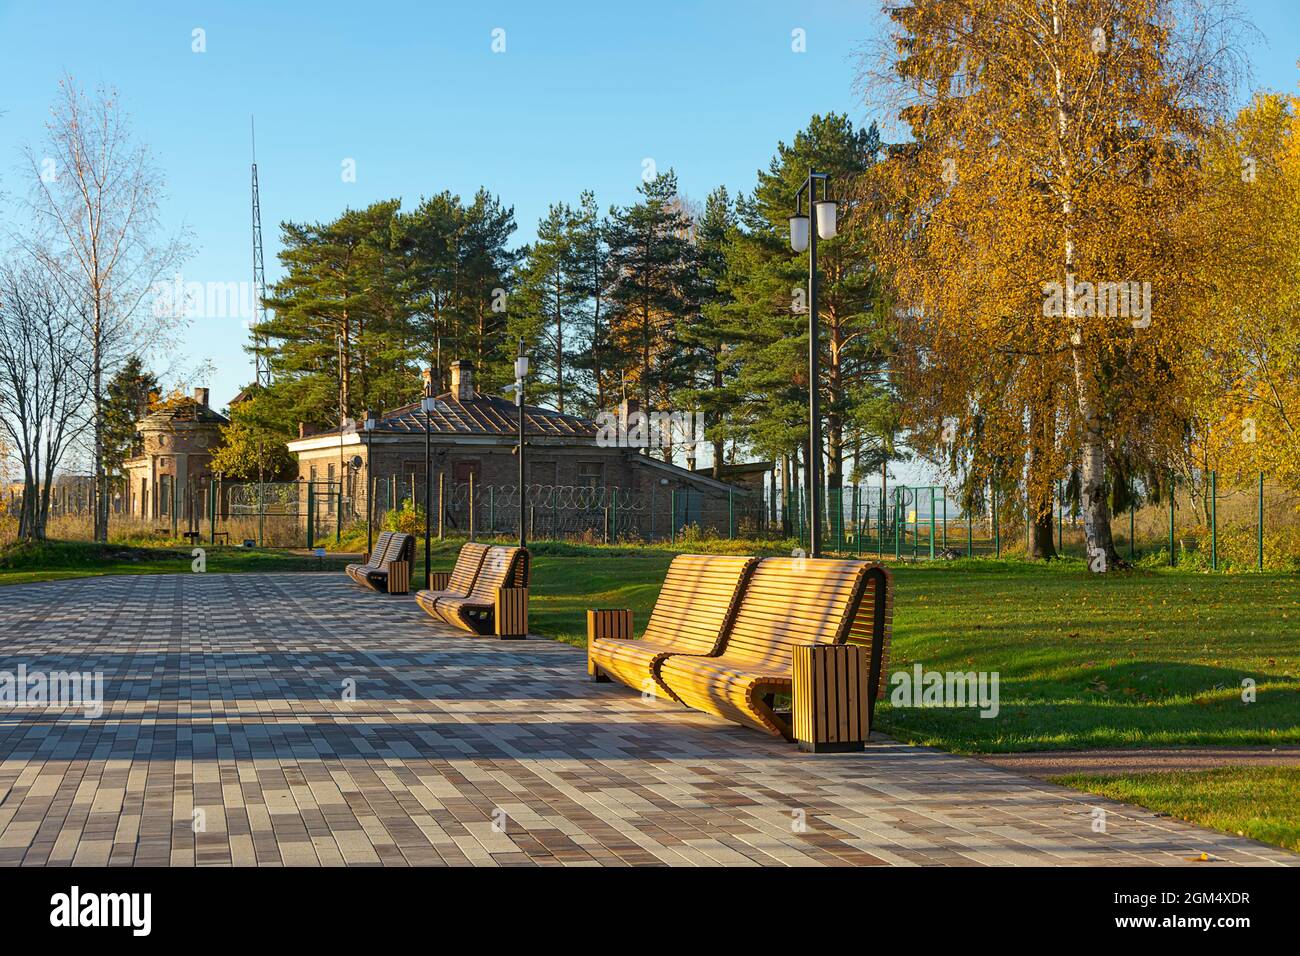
column 370, row 481
column 426, row 404
column 802, row 237
column 521, row 373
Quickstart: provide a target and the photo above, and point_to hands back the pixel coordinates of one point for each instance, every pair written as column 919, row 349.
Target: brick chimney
column 201, row 396
column 626, row 409
column 462, row 381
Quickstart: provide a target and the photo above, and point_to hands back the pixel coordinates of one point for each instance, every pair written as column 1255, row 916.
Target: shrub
column 408, row 519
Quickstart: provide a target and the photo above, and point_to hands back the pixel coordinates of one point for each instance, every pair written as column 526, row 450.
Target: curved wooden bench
column 459, row 582
column 786, row 602
column 374, row 575
column 374, row 560
column 498, row 601
column 690, row 616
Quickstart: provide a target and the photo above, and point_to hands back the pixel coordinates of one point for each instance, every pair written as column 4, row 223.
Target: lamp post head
column 799, row 232
column 826, row 212
column 521, row 363
column 370, row 421
column 428, row 404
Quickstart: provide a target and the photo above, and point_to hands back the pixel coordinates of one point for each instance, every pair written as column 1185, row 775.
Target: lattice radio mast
column 259, row 279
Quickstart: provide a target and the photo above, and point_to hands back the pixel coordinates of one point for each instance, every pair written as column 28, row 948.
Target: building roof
column 742, row 468
column 181, row 412
column 482, row 415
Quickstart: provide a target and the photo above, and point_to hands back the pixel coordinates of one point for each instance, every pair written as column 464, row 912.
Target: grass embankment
column 1262, row 803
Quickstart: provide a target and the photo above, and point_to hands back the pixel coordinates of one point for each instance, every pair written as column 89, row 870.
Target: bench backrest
column 401, row 548
column 379, row 553
column 464, row 573
column 789, row 601
column 498, row 570
column 697, row 600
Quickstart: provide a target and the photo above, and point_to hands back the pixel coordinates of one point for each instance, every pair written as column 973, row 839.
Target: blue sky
column 413, row 93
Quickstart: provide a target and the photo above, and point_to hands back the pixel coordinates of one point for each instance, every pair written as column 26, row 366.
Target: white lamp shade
column 826, row 212
column 521, row 367
column 428, row 404
column 798, row 233
column 370, row 423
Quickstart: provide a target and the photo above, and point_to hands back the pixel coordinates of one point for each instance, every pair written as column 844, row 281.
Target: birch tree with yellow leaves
column 1248, row 400
column 1032, row 230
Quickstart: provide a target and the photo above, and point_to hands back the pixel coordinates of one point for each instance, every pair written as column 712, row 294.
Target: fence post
column 338, row 513
column 1132, row 509
column 492, row 510
column 672, row 516
column 1214, row 521
column 731, row 514
column 1172, row 559
column 1261, row 521
column 970, row 532
column 442, row 508
column 857, row 519
column 916, row 524
column 311, row 516
column 945, row 519
column 471, row 506
column 613, row 515
column 898, row 549
column 997, row 530
column 212, row 511
column 932, row 522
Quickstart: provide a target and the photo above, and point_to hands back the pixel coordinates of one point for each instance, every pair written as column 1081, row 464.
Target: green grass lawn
column 1141, row 658
column 1262, row 803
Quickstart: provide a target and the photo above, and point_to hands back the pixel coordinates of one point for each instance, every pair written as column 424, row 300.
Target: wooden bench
column 784, row 604
column 456, row 583
column 391, row 546
column 357, row 571
column 498, row 601
column 690, row 616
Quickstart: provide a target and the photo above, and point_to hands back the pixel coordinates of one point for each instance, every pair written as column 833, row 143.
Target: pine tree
column 543, row 310
column 651, row 289
column 767, row 283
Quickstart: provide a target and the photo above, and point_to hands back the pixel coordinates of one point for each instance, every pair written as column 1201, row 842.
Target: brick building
column 572, row 479
column 176, row 444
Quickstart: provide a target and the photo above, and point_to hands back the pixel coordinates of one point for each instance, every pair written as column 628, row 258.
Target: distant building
column 572, row 479
column 176, row 445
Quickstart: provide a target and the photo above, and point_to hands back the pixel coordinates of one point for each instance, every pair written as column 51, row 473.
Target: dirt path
column 1055, row 763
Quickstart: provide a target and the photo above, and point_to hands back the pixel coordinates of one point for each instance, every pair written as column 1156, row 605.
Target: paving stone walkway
column 231, row 735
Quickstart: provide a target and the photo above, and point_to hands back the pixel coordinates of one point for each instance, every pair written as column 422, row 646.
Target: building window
column 461, row 470
column 591, row 474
